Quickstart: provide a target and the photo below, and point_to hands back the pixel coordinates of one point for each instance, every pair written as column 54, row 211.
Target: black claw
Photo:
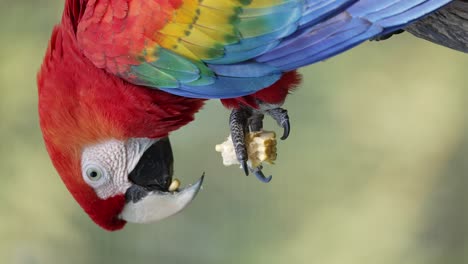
column 280, row 115
column 287, row 129
column 260, row 176
column 245, row 167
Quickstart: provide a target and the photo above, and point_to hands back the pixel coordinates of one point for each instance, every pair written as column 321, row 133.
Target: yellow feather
column 173, row 44
column 221, row 5
column 219, row 19
column 221, row 37
column 200, row 29
column 175, row 29
column 183, row 16
column 265, row 3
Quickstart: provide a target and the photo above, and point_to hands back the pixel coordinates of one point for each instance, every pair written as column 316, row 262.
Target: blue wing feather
column 364, row 20
column 319, row 11
column 227, row 87
column 298, row 33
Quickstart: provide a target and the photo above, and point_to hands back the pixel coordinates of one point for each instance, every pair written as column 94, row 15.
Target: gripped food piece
column 261, row 147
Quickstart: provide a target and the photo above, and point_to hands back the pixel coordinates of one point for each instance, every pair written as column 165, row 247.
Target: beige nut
column 175, row 184
column 261, row 147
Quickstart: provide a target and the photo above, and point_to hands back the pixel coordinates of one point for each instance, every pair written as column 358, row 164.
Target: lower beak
column 149, row 198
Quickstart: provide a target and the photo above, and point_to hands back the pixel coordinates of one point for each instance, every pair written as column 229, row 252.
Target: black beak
column 153, row 172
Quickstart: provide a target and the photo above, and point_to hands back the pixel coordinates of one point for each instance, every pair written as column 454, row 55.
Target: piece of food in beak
column 175, row 184
column 154, row 194
column 157, row 205
column 261, row 147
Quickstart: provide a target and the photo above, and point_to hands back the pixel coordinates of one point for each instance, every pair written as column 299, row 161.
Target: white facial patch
column 105, row 166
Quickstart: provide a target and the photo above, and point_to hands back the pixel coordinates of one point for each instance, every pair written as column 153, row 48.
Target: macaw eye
column 94, row 174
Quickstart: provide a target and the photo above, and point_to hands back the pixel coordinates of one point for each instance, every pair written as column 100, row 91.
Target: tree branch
column 447, row 27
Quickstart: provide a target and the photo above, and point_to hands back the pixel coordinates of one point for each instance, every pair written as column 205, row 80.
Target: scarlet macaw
column 120, row 75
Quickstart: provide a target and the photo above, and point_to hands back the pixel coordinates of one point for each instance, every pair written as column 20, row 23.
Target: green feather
column 170, row 61
column 154, row 77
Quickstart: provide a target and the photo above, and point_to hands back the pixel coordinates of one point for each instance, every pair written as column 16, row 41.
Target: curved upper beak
column 149, row 198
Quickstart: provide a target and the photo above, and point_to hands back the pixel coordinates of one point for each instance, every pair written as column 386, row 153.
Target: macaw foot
column 243, row 120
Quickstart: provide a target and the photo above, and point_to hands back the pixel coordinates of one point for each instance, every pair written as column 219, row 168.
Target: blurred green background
column 375, row 170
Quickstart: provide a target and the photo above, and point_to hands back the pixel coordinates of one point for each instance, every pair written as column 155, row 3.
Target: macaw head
column 108, row 139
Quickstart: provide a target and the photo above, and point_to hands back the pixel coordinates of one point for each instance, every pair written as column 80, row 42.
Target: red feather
column 112, row 35
column 80, row 104
column 274, row 94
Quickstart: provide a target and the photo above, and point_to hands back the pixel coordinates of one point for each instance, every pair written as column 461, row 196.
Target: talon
column 281, row 117
column 245, row 167
column 287, row 129
column 260, row 176
column 244, row 118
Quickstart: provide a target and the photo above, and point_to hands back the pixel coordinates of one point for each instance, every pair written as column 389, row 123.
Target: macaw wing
column 364, row 20
column 171, row 44
column 230, row 48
